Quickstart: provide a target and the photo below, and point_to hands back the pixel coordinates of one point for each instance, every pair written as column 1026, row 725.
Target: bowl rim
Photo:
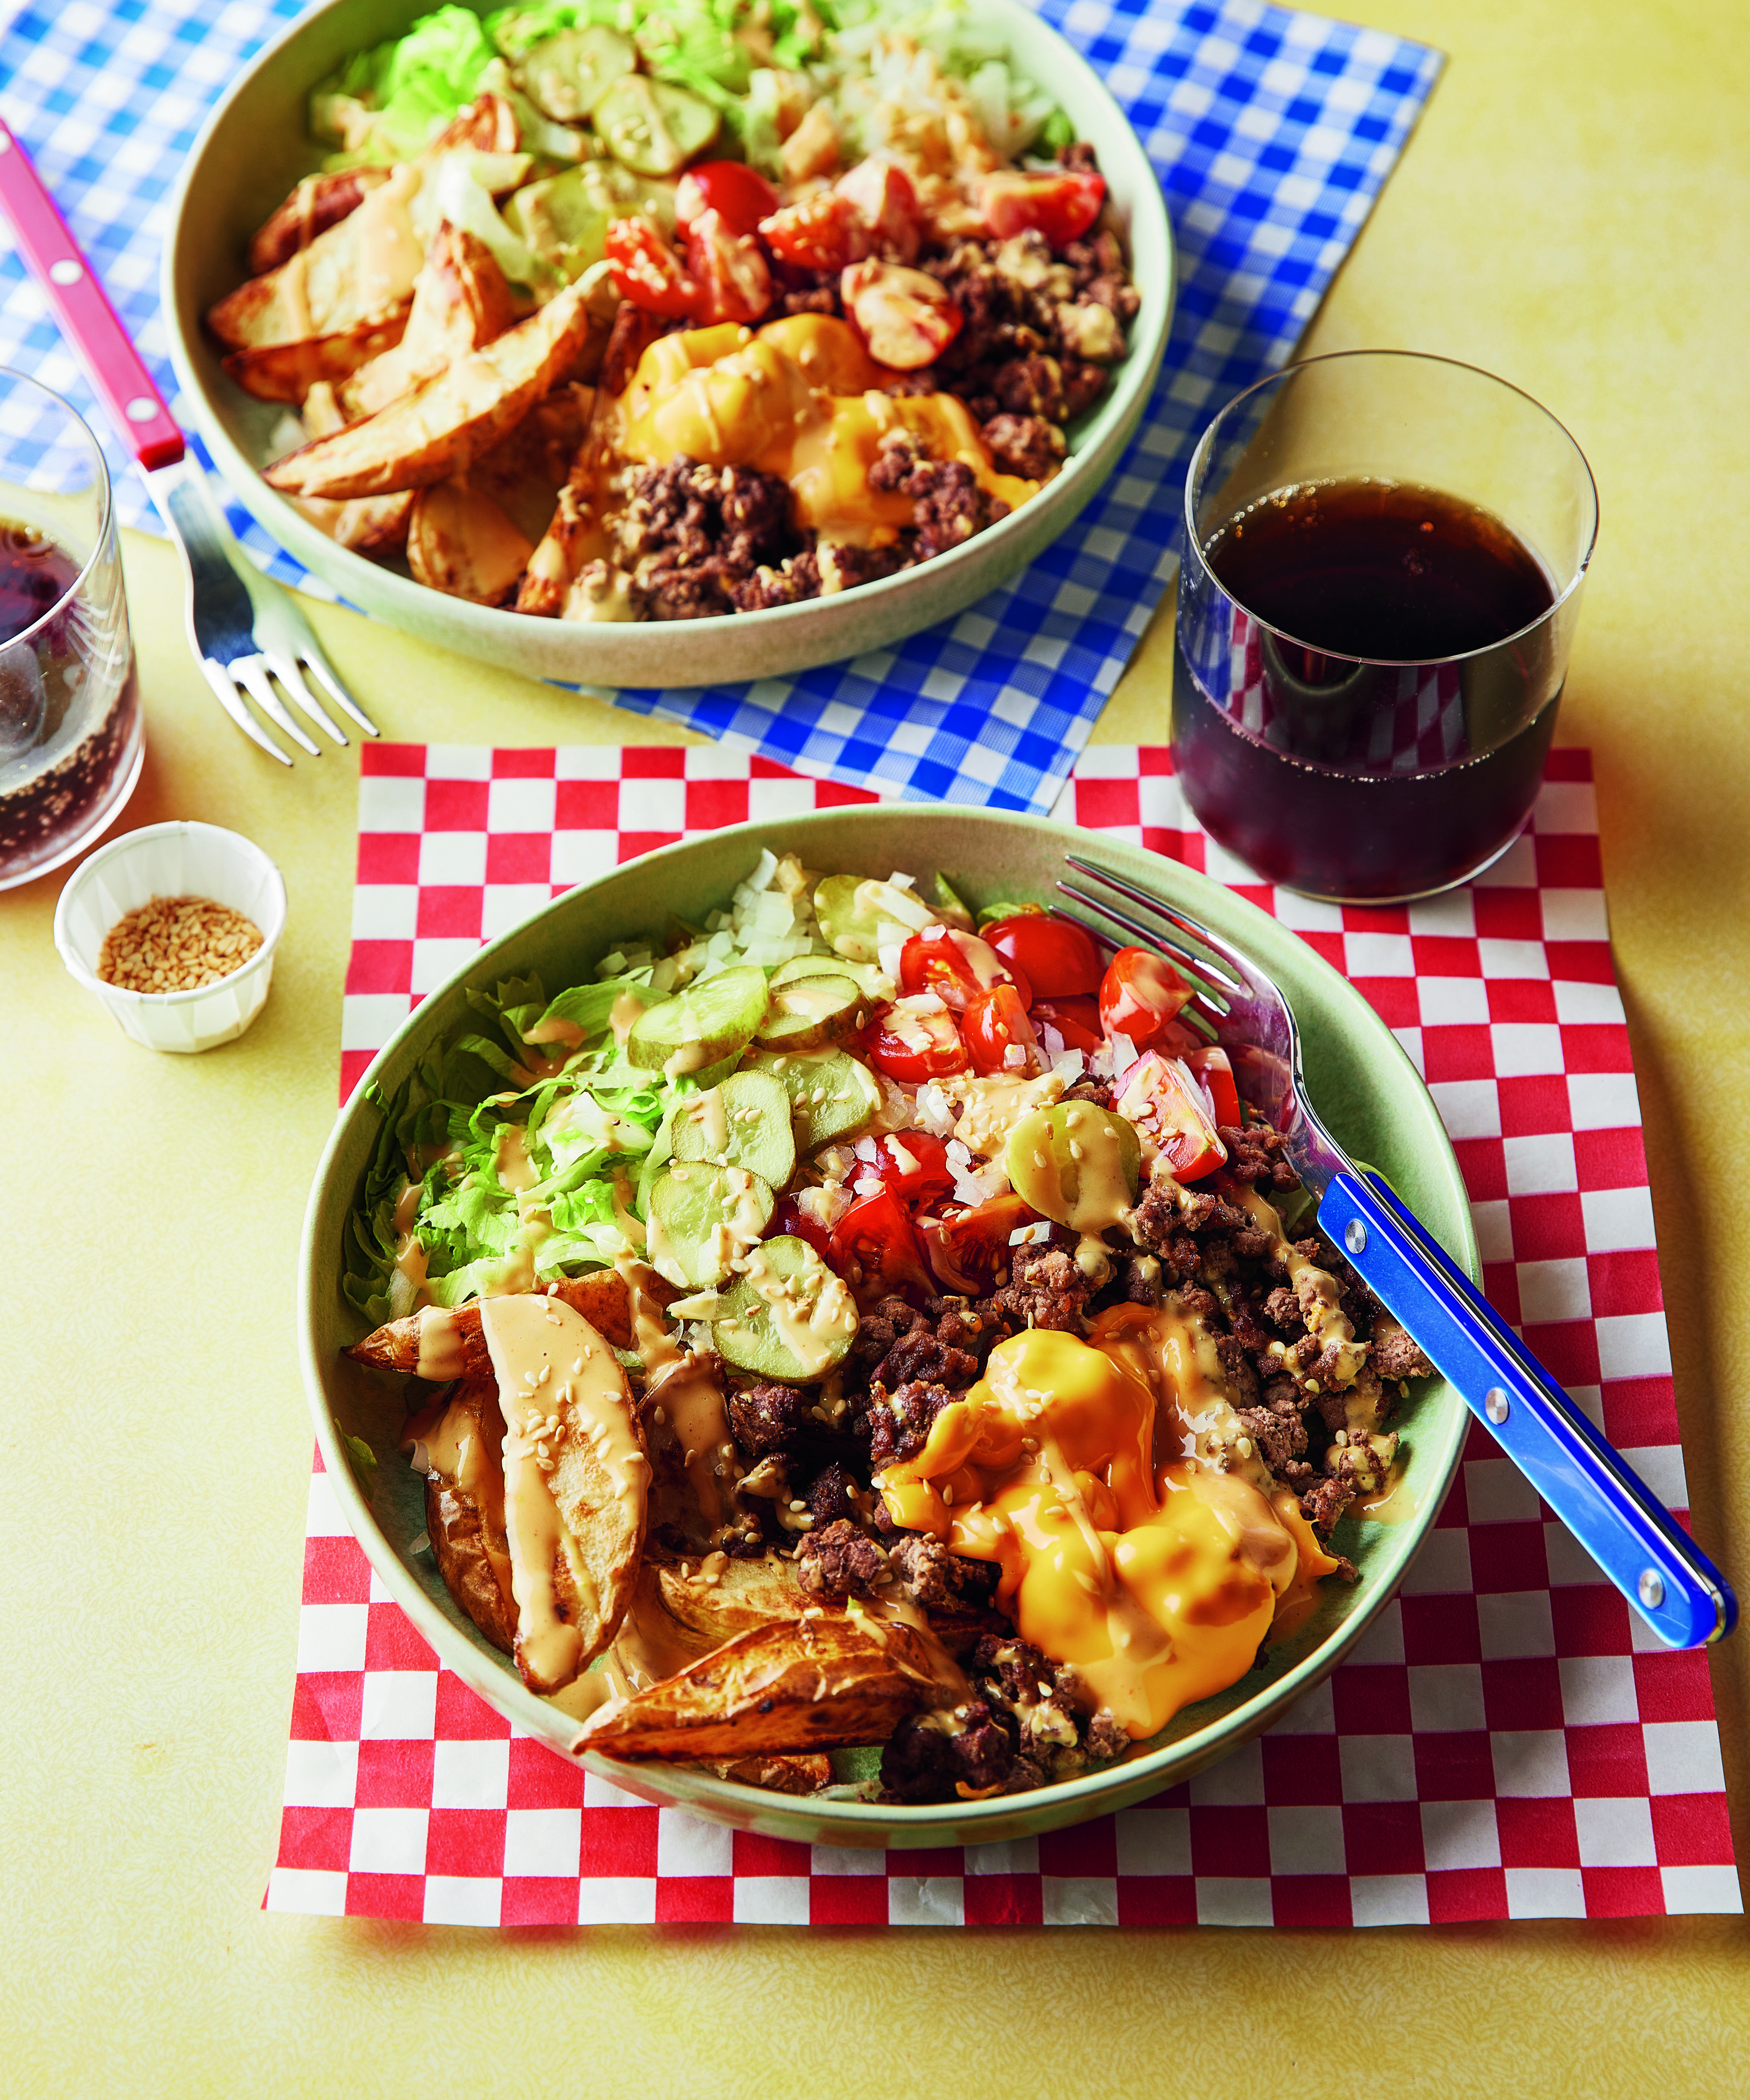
column 1115, row 424
column 859, row 1822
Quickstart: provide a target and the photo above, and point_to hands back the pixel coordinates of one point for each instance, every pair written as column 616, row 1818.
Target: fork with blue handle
column 1611, row 1512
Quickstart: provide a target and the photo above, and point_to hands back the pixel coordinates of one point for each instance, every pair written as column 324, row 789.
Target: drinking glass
column 70, row 737
column 1374, row 777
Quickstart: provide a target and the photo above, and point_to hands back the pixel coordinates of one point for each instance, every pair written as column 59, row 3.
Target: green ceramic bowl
column 1363, row 1083
column 254, row 149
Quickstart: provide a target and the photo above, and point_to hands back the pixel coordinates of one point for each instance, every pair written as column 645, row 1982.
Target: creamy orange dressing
column 441, row 1354
column 549, row 1361
column 801, row 398
column 1157, row 1581
column 991, row 1107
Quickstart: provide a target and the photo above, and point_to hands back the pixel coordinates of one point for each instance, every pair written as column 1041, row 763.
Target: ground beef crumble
column 1027, row 1723
column 1041, row 330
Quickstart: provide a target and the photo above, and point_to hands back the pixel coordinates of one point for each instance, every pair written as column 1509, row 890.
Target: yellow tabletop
column 1572, row 213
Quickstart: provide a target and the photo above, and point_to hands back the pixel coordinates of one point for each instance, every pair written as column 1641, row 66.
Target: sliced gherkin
column 743, row 1121
column 787, row 1316
column 566, row 75
column 702, row 1217
column 832, row 1095
column 812, row 1014
column 651, row 125
column 702, row 1024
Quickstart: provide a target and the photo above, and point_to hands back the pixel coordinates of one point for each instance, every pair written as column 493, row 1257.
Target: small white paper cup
column 173, row 860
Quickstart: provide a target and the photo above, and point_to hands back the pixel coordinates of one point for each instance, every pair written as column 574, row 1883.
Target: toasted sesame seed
column 176, row 944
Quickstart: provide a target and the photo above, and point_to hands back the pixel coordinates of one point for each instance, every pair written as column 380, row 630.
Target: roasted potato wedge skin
column 459, row 542
column 444, row 424
column 802, row 1685
column 460, row 303
column 601, row 1297
column 319, row 202
column 777, row 1775
column 287, row 371
column 488, row 123
column 466, row 1522
column 745, row 1594
column 372, row 525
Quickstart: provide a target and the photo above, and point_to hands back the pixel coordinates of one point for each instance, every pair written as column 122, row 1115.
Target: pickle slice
column 566, row 75
column 1074, row 1163
column 870, row 979
column 703, row 1217
column 700, row 1026
column 860, row 917
column 742, row 1122
column 831, row 1095
column 787, row 1317
column 812, row 1014
column 652, row 126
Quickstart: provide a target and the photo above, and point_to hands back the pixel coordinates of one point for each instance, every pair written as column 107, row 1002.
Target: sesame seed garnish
column 176, row 944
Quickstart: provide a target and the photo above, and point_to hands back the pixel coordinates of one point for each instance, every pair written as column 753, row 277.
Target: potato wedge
column 287, row 371
column 446, row 422
column 319, row 202
column 779, row 1775
column 805, row 1685
column 460, row 543
column 460, row 303
column 460, row 1442
column 717, row 1599
column 488, row 123
column 372, row 524
column 358, row 272
column 434, row 1343
column 574, row 538
column 524, row 472
column 576, row 1482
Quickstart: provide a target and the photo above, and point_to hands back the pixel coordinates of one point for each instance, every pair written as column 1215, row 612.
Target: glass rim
column 1204, row 445
column 106, row 508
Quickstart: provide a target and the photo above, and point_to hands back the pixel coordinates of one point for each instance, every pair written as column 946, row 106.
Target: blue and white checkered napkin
column 1273, row 133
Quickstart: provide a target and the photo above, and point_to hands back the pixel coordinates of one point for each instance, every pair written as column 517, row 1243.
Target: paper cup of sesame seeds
column 174, row 929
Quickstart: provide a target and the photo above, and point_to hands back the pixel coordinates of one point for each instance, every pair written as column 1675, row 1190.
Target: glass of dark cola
column 70, row 740
column 1381, row 578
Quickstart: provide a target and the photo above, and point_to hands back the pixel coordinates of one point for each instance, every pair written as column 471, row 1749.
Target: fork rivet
column 1651, row 1589
column 1355, row 1237
column 1496, row 1405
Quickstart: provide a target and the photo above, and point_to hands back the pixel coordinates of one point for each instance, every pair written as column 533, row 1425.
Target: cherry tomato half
column 647, row 271
column 1061, row 960
column 792, row 1219
column 969, row 1250
column 883, row 193
column 1214, row 1068
column 915, row 1047
column 1139, row 996
column 823, row 232
column 1060, row 203
column 1076, row 1020
column 740, row 196
column 1162, row 1100
column 876, row 1247
column 956, row 967
column 915, row 1166
column 730, row 270
column 995, row 1025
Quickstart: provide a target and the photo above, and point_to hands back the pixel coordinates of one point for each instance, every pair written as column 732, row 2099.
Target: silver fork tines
column 246, row 631
column 1236, row 1004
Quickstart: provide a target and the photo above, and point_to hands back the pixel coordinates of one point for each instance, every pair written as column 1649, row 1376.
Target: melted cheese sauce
column 1157, row 1578
column 802, row 399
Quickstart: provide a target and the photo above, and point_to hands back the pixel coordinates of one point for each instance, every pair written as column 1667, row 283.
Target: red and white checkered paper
column 1508, row 1741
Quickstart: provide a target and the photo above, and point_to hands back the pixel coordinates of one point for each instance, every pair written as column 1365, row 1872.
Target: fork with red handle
column 245, row 630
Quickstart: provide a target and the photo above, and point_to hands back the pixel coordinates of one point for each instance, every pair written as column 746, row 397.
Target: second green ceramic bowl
column 254, row 147
column 1358, row 1076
